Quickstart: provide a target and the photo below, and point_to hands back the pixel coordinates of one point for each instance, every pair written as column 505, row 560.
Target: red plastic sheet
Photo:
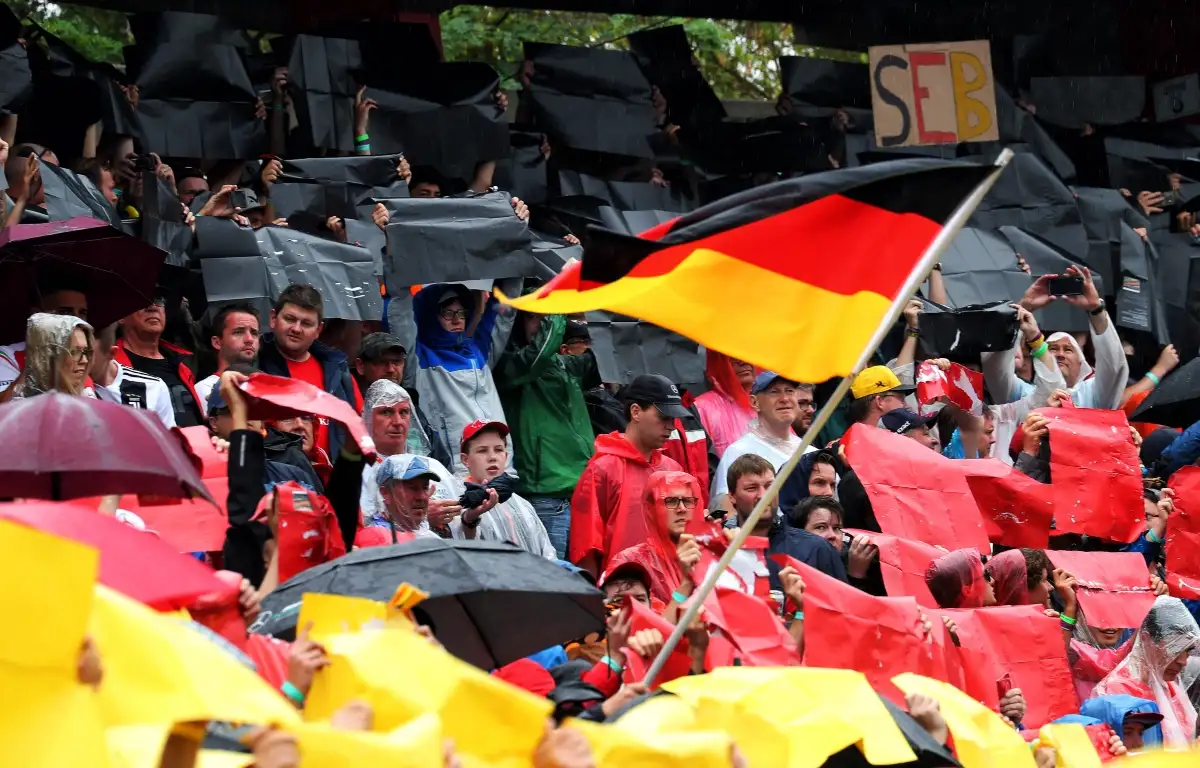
column 278, row 397
column 1024, row 643
column 1016, row 509
column 916, row 493
column 903, row 564
column 1113, row 587
column 679, row 663
column 1183, row 535
column 1095, row 474
column 190, row 525
column 756, row 632
column 881, row 637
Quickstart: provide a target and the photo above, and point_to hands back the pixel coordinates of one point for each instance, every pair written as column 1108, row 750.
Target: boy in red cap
column 504, row 516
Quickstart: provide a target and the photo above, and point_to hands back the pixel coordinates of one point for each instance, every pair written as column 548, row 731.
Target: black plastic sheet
column 623, row 195
column 452, row 240
column 820, row 87
column 1044, row 258
column 337, row 186
column 592, row 99
column 1072, row 102
column 626, row 348
column 445, row 116
column 665, row 56
column 320, row 76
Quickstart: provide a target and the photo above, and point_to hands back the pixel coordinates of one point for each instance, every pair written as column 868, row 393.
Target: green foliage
column 739, row 58
column 97, row 34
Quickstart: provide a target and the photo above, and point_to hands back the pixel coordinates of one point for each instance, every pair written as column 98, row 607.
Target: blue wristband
column 1153, row 379
column 679, row 598
column 293, row 693
column 612, row 664
column 363, row 148
column 798, row 615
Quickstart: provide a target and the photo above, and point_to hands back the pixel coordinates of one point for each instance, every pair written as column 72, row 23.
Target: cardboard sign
column 936, row 93
column 1176, row 98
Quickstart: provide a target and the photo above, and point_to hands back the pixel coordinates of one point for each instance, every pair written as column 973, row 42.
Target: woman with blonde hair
column 58, row 350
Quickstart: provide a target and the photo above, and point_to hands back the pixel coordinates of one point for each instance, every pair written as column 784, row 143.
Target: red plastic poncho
column 606, row 508
column 956, row 580
column 308, row 528
column 725, row 409
column 656, row 554
column 1009, row 578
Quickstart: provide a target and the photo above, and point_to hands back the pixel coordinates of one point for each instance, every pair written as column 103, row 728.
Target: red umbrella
column 60, row 446
column 117, row 272
column 136, row 563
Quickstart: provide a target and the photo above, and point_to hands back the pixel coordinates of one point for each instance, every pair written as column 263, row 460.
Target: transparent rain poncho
column 387, row 392
column 47, row 344
column 1168, row 632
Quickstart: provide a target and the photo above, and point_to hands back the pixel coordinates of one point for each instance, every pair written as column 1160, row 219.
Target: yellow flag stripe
column 796, row 329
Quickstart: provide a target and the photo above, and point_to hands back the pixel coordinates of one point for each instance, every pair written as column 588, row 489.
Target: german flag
column 794, row 277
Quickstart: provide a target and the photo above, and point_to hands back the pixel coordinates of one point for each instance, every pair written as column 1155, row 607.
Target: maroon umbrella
column 58, row 446
column 116, row 272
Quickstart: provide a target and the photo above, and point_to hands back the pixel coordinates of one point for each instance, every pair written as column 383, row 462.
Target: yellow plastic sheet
column 417, row 744
column 981, row 738
column 160, row 670
column 47, row 718
column 47, row 598
column 338, row 614
column 808, row 713
column 1159, row 759
column 1072, row 744
column 617, row 747
column 402, row 676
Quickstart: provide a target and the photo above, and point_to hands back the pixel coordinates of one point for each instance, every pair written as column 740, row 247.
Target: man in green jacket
column 541, row 378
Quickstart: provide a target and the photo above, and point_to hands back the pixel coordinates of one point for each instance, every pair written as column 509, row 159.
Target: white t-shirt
column 748, row 443
column 9, row 369
column 370, row 501
column 140, row 390
column 204, row 389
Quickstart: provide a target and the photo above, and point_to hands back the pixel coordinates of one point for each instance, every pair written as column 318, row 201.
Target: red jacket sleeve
column 587, row 514
column 603, row 679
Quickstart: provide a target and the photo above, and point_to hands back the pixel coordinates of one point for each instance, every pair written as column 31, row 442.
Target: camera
column 144, row 163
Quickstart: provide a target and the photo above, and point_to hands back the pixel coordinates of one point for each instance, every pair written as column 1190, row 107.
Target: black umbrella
column 930, row 754
column 489, row 603
column 1176, row 402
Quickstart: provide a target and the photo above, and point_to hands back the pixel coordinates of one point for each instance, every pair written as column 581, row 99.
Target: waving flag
column 794, row 276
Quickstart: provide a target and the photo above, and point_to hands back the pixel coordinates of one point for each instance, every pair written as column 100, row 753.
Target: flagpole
column 918, row 276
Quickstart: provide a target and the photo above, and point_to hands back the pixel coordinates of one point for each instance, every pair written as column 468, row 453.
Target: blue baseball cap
column 404, row 466
column 902, row 420
column 215, row 400
column 764, row 380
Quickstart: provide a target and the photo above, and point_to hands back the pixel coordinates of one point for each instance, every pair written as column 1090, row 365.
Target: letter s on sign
column 891, row 99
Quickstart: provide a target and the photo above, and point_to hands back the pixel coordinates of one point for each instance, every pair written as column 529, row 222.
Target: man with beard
column 235, row 339
column 141, row 347
column 806, row 408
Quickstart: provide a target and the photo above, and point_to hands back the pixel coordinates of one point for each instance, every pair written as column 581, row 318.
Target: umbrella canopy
column 133, row 562
column 60, row 446
column 115, row 271
column 1175, row 402
column 489, row 603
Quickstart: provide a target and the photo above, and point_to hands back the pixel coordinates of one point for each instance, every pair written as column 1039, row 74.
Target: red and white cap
column 477, row 426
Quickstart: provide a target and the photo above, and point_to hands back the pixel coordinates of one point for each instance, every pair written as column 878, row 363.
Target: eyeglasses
column 675, row 502
column 80, row 354
column 453, row 314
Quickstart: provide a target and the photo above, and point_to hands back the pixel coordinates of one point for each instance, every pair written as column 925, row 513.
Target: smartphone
column 1171, row 198
column 1004, row 685
column 847, row 540
column 239, row 200
column 1068, row 285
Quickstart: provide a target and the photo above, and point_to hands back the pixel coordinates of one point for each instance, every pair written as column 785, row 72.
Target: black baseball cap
column 576, row 331
column 902, row 420
column 375, row 344
column 659, row 390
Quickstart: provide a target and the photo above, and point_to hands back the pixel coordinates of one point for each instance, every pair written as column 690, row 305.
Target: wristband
column 677, row 597
column 1152, row 537
column 612, row 664
column 292, row 692
column 1153, row 379
column 362, row 148
column 798, row 615
column 914, row 333
column 1040, row 350
column 1066, row 619
column 362, row 139
column 1036, row 342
